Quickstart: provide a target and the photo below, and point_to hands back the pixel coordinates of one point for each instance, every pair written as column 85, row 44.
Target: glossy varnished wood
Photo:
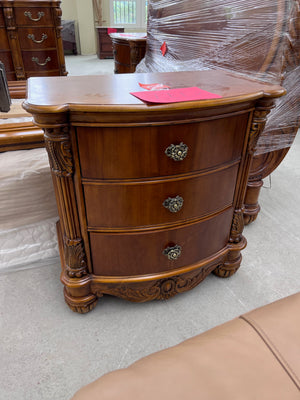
column 141, row 253
column 111, row 94
column 130, row 204
column 111, row 177
column 121, row 143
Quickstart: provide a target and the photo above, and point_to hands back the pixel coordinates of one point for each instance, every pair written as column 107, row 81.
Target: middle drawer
column 154, row 202
column 37, row 38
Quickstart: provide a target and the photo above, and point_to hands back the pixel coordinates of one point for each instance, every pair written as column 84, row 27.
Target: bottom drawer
column 139, row 253
column 45, row 73
column 41, row 60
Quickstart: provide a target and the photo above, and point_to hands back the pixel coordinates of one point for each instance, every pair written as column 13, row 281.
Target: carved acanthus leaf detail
column 262, row 109
column 237, row 226
column 76, row 265
column 58, row 145
column 161, row 289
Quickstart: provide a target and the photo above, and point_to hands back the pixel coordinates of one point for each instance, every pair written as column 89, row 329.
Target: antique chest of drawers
column 104, row 43
column 30, row 38
column 150, row 197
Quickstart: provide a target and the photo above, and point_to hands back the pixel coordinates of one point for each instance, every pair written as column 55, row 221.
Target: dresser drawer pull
column 32, row 37
column 173, row 204
column 29, row 15
column 177, row 152
column 36, row 60
column 173, row 253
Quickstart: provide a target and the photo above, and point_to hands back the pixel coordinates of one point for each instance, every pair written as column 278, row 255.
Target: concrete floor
column 48, row 352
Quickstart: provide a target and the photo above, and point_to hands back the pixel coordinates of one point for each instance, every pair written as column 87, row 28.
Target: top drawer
column 140, row 152
column 33, row 16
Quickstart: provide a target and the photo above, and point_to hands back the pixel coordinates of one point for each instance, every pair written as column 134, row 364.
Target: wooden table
column 150, row 197
column 129, row 49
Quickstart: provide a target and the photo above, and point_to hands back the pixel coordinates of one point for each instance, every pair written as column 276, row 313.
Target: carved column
column 237, row 241
column 58, row 145
column 59, row 43
column 75, row 275
column 12, row 34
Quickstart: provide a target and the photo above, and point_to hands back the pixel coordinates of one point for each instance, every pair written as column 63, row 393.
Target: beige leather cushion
column 231, row 361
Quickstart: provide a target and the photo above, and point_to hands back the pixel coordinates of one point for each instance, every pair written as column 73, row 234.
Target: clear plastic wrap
column 28, row 211
column 256, row 38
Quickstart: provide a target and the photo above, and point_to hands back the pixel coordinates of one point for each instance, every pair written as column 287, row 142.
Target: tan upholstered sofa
column 253, row 357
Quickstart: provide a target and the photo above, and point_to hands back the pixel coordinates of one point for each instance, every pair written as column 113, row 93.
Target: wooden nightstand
column 129, row 50
column 150, row 197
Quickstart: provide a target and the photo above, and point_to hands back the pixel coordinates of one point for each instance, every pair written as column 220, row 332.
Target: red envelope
column 175, row 95
column 164, row 48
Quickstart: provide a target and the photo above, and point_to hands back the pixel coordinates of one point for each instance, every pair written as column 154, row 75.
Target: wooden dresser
column 129, row 49
column 30, row 39
column 104, row 43
column 150, row 197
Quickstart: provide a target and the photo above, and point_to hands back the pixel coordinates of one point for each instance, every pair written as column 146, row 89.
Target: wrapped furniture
column 28, row 210
column 257, row 38
column 68, row 37
column 255, row 356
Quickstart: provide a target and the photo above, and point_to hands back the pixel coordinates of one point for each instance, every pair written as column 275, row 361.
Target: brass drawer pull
column 29, row 15
column 177, row 152
column 36, row 60
column 173, row 204
column 32, row 37
column 173, row 253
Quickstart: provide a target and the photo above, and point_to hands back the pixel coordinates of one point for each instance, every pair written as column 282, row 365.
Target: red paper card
column 111, row 30
column 175, row 95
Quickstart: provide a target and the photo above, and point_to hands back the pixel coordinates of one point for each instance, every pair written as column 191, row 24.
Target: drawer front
column 2, row 21
column 11, row 76
column 143, row 253
column 55, row 72
column 4, row 45
column 33, row 16
column 137, row 152
column 122, row 53
column 37, row 38
column 40, row 60
column 106, row 47
column 5, row 57
column 165, row 201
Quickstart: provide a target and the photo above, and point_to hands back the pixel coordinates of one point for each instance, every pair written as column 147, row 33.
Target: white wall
column 82, row 12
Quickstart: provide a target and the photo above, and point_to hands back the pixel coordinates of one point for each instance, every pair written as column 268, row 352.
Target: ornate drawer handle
column 32, row 37
column 36, row 60
column 173, row 253
column 29, row 15
column 173, row 204
column 177, row 152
